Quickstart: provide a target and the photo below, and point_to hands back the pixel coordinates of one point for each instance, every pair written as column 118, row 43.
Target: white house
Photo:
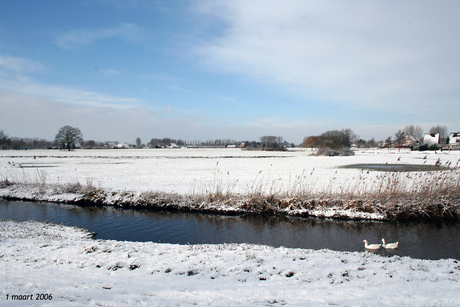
column 121, row 146
column 454, row 138
column 431, row 138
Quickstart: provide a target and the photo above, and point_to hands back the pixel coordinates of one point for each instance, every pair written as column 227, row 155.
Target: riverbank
column 440, row 205
column 75, row 270
column 237, row 182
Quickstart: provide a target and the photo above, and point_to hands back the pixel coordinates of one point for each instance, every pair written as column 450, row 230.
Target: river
column 424, row 240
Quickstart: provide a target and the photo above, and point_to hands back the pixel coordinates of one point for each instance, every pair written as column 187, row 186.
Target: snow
column 78, row 271
column 186, row 171
column 125, row 176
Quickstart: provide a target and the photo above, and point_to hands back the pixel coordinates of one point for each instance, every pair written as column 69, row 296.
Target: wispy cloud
column 86, row 36
column 276, row 123
column 371, row 54
column 45, row 116
column 110, row 72
column 21, row 82
column 160, row 77
column 20, row 65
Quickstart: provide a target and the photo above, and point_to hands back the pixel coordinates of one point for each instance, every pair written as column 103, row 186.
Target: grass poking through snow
column 387, row 195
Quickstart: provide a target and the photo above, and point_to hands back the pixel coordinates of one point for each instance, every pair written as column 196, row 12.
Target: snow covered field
column 303, row 184
column 69, row 268
column 64, row 264
column 198, row 170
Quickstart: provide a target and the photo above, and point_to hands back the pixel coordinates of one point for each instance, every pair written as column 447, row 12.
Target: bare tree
column 442, row 130
column 270, row 140
column 4, row 140
column 371, row 143
column 416, row 131
column 388, row 142
column 399, row 138
column 336, row 139
column 68, row 136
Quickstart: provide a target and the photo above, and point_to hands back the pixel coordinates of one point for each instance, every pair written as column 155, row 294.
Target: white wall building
column 431, row 139
column 454, row 138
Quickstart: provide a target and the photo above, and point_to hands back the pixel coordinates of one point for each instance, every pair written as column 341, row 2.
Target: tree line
column 71, row 137
column 333, row 139
column 343, row 139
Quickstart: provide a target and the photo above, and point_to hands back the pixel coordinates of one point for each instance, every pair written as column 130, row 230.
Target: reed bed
column 426, row 195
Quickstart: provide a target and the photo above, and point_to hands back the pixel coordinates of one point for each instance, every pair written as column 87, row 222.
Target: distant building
column 454, row 138
column 411, row 140
column 431, row 138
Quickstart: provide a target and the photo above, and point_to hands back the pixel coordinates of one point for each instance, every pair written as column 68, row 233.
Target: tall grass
column 390, row 195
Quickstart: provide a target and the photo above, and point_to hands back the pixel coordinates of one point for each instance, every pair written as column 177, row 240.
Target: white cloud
column 32, row 116
column 369, row 54
column 276, row 123
column 26, row 86
column 15, row 78
column 19, row 65
column 86, row 36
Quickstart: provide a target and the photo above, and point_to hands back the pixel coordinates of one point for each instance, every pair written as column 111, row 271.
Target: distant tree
column 388, row 142
column 167, row 141
column 371, row 143
column 138, row 143
column 336, row 139
column 416, row 131
column 17, row 143
column 90, row 144
column 273, row 142
column 361, row 143
column 67, row 136
column 399, row 138
column 442, row 130
column 4, row 140
column 311, row 141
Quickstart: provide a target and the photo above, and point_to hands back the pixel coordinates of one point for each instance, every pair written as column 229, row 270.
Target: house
column 431, row 138
column 454, row 138
column 411, row 140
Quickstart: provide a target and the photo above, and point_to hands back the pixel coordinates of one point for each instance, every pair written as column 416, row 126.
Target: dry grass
column 392, row 195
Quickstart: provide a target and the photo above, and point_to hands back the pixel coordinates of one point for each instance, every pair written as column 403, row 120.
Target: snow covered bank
column 229, row 181
column 75, row 270
column 437, row 197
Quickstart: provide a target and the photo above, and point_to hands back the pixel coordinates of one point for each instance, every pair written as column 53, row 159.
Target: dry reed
column 387, row 195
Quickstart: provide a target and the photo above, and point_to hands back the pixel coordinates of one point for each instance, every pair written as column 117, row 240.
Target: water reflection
column 433, row 240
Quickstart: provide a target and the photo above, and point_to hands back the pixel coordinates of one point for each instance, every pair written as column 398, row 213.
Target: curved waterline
column 397, row 167
column 417, row 239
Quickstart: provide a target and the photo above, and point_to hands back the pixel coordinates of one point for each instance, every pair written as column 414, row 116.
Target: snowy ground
column 187, row 171
column 300, row 180
column 63, row 262
column 73, row 270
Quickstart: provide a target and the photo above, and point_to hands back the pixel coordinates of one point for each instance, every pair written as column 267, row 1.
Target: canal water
column 434, row 240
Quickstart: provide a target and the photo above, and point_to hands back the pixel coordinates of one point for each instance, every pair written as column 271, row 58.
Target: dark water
column 417, row 239
column 397, row 167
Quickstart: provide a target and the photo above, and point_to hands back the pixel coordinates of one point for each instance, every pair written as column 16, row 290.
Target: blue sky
column 200, row 70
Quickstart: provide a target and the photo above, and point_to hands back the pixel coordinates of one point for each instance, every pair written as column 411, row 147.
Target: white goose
column 390, row 245
column 371, row 246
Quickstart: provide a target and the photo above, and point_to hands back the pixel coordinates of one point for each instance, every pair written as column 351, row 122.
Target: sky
column 206, row 70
